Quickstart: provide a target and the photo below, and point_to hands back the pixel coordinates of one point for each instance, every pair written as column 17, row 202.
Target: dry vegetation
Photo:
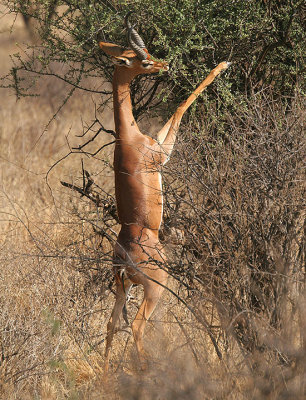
column 233, row 325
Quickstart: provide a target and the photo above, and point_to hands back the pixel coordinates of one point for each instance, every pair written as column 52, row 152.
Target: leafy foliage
column 264, row 39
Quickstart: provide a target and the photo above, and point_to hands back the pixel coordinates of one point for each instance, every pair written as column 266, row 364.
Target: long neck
column 124, row 120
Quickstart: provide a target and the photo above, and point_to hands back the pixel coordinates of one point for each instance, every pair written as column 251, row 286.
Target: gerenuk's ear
column 111, row 49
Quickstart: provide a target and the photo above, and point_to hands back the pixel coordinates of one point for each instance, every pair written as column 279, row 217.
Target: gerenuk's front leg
column 167, row 135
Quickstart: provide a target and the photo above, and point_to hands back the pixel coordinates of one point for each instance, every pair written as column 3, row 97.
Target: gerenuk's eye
column 147, row 64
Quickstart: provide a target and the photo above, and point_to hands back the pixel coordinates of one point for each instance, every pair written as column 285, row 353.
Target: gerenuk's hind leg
column 152, row 293
column 111, row 326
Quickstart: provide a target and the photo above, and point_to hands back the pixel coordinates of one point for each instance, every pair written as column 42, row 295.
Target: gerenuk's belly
column 139, row 199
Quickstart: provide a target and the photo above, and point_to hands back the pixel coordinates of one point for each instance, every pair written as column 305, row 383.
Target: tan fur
column 137, row 162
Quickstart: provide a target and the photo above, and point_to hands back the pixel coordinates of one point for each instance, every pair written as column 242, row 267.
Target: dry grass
column 55, row 271
column 54, row 288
